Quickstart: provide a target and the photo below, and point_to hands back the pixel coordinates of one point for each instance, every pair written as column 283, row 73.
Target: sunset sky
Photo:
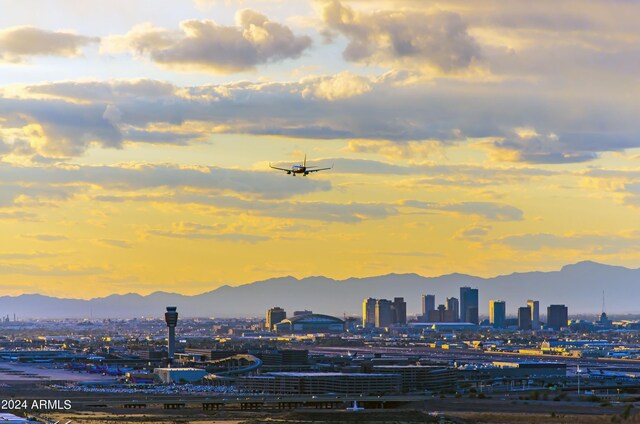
column 474, row 136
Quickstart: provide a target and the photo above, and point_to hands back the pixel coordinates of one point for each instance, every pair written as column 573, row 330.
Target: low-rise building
column 420, row 377
column 180, row 375
column 529, row 369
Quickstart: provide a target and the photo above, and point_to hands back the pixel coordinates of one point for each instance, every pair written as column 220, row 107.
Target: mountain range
column 580, row 286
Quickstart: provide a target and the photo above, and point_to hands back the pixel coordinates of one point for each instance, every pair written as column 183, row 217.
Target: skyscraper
column 274, row 316
column 524, row 318
column 428, row 304
column 384, row 313
column 438, row 315
column 463, row 302
column 369, row 313
column 557, row 316
column 453, row 310
column 535, row 314
column 469, row 305
column 497, row 313
column 399, row 310
column 472, row 314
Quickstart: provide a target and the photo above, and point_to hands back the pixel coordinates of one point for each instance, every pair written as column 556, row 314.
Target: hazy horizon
column 298, row 278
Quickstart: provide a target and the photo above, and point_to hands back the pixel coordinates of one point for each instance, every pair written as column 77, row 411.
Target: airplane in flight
column 300, row 169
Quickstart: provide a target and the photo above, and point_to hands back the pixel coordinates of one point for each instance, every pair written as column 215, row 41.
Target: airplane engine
column 288, row 172
column 306, row 173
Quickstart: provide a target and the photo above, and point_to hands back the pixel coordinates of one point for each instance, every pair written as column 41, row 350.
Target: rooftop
column 324, row 374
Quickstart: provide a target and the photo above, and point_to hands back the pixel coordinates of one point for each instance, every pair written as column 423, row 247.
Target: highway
column 246, row 402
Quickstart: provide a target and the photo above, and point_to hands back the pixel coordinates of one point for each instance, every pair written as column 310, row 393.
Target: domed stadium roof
column 316, row 318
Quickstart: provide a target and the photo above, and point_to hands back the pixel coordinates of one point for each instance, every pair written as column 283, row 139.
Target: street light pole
column 578, row 372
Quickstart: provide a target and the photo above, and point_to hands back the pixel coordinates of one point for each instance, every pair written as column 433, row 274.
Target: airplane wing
column 319, row 169
column 281, row 169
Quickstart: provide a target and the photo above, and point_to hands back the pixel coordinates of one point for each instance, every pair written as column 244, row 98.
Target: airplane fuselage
column 298, row 169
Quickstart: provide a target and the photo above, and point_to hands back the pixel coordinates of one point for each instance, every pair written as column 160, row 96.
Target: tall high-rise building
column 428, row 304
column 557, row 316
column 524, row 318
column 369, row 312
column 535, row 314
column 399, row 310
column 463, row 302
column 274, row 316
column 472, row 315
column 469, row 305
column 437, row 315
column 453, row 309
column 384, row 313
column 497, row 313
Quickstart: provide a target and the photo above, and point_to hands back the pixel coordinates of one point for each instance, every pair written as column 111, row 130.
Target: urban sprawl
column 383, row 359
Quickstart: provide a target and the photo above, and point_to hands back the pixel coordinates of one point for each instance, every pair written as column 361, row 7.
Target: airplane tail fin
column 305, row 160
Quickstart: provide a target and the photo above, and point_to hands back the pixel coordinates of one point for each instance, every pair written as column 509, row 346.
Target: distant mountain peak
column 458, row 275
column 578, row 285
column 315, row 279
column 589, row 266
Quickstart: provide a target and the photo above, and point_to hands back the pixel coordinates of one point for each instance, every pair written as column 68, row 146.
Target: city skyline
column 474, row 137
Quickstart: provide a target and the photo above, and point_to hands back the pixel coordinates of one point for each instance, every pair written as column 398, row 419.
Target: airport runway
column 16, row 371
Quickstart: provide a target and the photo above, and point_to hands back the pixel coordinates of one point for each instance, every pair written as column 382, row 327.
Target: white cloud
column 204, row 45
column 405, row 38
column 19, row 43
column 339, row 86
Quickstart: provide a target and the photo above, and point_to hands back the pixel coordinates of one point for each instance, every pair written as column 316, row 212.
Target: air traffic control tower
column 171, row 318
